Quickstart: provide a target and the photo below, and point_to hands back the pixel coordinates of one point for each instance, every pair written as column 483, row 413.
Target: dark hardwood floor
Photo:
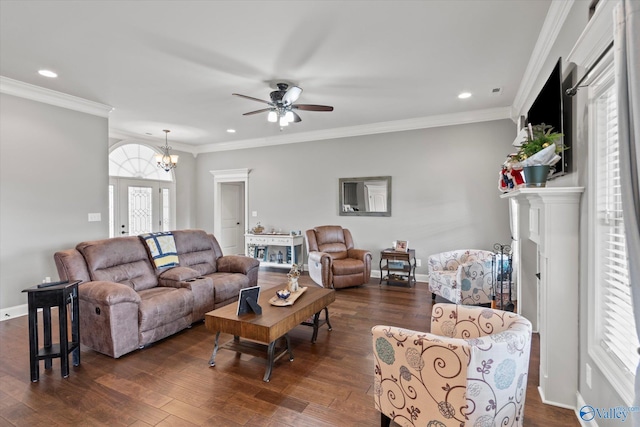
column 170, row 383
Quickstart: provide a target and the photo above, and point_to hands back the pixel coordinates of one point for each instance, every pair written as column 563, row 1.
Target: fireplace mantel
column 545, row 229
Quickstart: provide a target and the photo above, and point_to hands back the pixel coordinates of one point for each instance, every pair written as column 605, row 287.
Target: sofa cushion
column 160, row 306
column 227, row 285
column 196, row 250
column 331, row 239
column 121, row 260
column 343, row 267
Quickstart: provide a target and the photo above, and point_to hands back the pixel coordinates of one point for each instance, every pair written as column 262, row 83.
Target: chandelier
column 165, row 160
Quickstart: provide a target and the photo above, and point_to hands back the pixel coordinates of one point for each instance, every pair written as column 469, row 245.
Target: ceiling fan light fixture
column 289, row 116
column 281, row 107
column 291, row 95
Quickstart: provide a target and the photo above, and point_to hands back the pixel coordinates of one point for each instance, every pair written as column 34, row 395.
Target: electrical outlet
column 95, row 217
column 418, row 262
column 587, row 371
column 254, row 213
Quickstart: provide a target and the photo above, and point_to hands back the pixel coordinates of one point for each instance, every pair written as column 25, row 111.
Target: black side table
column 46, row 296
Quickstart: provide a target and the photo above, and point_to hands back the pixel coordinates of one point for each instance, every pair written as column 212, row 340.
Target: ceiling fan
column 282, row 105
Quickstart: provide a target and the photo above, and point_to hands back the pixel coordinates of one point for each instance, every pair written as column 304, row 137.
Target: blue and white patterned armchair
column 462, row 276
column 470, row 370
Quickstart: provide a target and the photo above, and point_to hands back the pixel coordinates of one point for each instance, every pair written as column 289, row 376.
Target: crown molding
column 48, row 96
column 369, row 129
column 131, row 138
column 556, row 16
column 52, row 97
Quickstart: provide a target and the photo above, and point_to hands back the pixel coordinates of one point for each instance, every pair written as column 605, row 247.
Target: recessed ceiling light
column 231, row 131
column 464, row 95
column 47, row 73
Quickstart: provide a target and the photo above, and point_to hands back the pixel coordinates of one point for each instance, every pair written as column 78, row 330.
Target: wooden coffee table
column 274, row 323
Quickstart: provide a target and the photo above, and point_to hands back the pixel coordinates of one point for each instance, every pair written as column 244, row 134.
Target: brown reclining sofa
column 126, row 303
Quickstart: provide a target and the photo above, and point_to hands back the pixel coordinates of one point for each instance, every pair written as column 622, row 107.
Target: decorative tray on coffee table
column 279, row 302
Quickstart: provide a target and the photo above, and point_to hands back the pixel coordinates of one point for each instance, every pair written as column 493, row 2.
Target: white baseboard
column 552, row 403
column 582, row 403
column 13, row 312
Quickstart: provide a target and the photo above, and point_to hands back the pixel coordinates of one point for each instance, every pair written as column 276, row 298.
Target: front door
column 140, row 206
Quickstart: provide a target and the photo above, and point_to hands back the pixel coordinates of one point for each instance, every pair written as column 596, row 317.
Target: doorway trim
column 226, row 176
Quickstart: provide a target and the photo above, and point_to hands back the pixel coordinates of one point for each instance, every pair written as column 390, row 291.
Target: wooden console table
column 398, row 267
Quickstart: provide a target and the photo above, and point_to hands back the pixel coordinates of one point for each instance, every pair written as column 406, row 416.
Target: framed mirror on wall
column 365, row 196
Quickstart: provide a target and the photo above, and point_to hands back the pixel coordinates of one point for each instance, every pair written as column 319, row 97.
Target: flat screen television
column 554, row 107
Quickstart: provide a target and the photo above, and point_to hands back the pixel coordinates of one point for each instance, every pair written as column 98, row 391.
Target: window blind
column 617, row 326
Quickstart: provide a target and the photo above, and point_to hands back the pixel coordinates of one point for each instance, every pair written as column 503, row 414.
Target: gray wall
column 53, row 172
column 444, row 186
column 186, row 186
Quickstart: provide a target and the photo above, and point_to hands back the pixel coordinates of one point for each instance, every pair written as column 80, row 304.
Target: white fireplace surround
column 545, row 229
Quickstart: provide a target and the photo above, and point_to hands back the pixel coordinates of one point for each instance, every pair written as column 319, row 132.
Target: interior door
column 376, row 197
column 232, row 217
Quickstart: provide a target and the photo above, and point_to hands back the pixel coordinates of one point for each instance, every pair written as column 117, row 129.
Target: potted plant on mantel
column 538, row 153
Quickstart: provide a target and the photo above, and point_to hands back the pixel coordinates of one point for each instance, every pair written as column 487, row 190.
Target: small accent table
column 398, row 267
column 46, row 296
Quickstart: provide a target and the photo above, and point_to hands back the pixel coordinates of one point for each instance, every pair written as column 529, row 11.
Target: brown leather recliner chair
column 333, row 261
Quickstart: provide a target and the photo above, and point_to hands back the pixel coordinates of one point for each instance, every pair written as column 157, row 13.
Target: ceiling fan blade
column 296, row 117
column 264, row 110
column 252, row 98
column 311, row 107
column 291, row 95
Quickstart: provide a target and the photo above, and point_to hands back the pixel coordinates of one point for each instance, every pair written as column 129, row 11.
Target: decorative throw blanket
column 162, row 247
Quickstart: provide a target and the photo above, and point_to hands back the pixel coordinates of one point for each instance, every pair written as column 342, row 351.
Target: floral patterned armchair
column 470, row 370
column 462, row 276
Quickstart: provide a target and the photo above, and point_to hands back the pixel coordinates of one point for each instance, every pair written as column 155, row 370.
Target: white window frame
column 619, row 377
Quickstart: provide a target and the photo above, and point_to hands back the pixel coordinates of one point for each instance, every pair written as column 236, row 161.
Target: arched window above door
column 141, row 195
column 136, row 161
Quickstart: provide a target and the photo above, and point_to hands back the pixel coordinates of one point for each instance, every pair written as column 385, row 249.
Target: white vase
column 293, row 284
